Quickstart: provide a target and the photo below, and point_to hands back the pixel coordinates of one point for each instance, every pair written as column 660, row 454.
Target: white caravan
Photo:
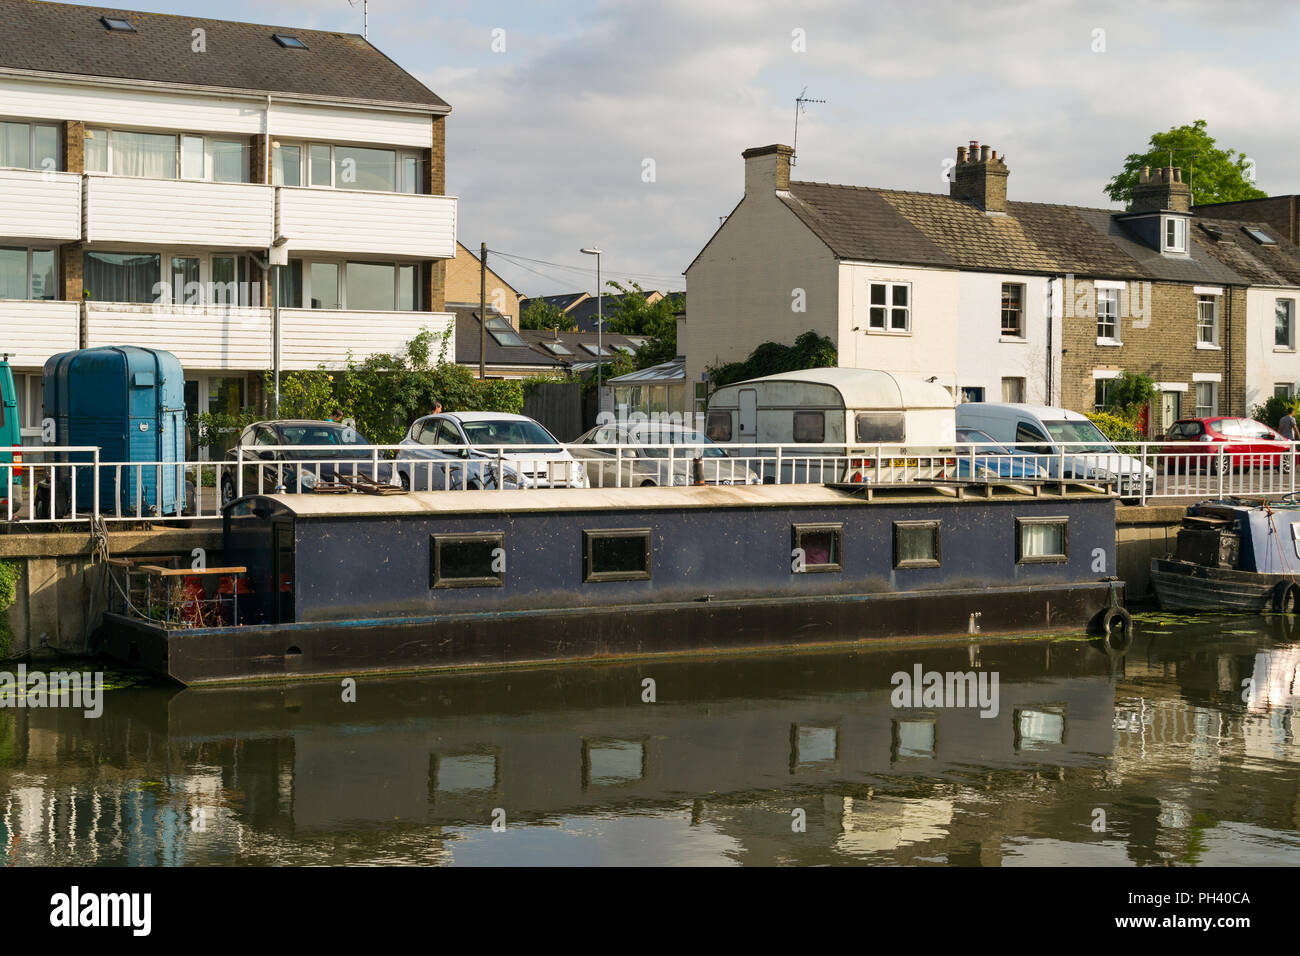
column 861, row 425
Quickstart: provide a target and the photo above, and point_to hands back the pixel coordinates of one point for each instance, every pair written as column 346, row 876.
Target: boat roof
column 532, row 500
column 865, row 387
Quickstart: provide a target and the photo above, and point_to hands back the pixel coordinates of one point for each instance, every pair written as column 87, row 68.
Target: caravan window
column 810, row 427
column 880, row 427
column 719, row 426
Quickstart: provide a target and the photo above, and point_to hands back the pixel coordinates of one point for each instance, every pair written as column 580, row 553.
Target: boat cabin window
column 1042, row 540
column 879, row 426
column 816, row 547
column 810, row 427
column 719, row 426
column 616, row 555
column 916, row 544
column 467, row 560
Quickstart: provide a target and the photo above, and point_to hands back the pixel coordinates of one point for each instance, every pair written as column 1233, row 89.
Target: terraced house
column 190, row 184
column 997, row 300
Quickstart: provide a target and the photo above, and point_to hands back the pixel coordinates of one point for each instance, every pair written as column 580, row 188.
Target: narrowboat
column 316, row 585
column 1233, row 554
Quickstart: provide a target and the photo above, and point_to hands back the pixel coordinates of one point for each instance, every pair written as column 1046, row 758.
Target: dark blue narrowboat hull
column 278, row 651
column 353, row 584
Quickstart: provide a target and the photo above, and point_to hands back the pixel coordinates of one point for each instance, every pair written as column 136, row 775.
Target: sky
column 621, row 124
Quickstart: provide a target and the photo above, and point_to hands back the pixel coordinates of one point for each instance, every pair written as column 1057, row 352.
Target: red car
column 1245, row 443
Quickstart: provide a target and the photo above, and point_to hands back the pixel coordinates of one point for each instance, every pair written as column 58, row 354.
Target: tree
column 1215, row 175
column 810, row 350
column 542, row 316
column 631, row 314
column 1129, row 394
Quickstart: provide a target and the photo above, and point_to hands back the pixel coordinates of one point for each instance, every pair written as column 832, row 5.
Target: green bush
column 1271, row 412
column 10, row 573
column 1115, row 427
column 810, row 350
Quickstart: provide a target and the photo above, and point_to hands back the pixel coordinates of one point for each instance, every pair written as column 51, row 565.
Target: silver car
column 624, row 455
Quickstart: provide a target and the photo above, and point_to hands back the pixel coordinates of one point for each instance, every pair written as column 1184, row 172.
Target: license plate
column 904, row 462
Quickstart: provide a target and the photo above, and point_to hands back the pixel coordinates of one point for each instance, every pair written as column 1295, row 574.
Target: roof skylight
column 1259, row 235
column 288, row 40
column 121, row 24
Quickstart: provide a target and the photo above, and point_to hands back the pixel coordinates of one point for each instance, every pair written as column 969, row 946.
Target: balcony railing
column 207, row 337
column 33, row 331
column 312, row 337
column 178, row 212
column 40, row 204
column 366, row 223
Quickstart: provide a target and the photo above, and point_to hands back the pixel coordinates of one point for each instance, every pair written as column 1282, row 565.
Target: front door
column 748, row 415
column 1170, row 408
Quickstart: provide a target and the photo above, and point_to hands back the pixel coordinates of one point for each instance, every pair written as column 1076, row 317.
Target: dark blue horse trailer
column 130, row 402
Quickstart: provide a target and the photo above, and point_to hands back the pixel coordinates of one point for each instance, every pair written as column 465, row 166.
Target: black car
column 270, row 466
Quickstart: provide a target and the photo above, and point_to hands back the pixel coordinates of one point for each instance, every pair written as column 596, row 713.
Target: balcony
column 178, row 212
column 356, row 222
column 35, row 204
column 33, row 331
column 202, row 337
column 312, row 337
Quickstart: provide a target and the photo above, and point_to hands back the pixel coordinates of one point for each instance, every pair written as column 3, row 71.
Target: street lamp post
column 600, row 315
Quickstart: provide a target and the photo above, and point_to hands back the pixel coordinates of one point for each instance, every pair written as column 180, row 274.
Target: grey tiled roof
column 69, row 39
column 1278, row 264
column 930, row 229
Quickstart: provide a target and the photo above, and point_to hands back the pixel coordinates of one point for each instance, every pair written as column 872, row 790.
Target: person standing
column 437, row 408
column 1287, row 425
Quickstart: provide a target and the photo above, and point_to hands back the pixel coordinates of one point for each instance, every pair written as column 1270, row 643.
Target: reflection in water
column 1183, row 752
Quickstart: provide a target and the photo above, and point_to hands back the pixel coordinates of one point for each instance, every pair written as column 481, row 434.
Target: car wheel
column 1224, row 464
column 405, row 479
column 649, row 483
column 227, row 491
column 1286, row 463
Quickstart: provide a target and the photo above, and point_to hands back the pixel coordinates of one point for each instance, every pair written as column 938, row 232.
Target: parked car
column 1067, row 444
column 632, row 464
column 537, row 456
column 1196, row 443
column 434, row 457
column 268, row 465
column 989, row 459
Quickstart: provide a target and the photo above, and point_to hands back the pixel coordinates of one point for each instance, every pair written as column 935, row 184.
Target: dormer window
column 1175, row 234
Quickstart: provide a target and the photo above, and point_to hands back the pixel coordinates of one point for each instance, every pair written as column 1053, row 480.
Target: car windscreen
column 507, row 432
column 983, row 439
column 341, row 437
column 1084, row 431
column 673, row 436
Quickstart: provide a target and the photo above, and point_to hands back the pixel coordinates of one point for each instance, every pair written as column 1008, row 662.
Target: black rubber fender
column 1116, row 630
column 1286, row 597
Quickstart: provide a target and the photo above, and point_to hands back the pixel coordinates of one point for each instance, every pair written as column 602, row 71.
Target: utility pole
column 482, row 312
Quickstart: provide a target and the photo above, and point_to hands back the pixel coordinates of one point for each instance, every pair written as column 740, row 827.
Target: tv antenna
column 365, row 17
column 800, row 107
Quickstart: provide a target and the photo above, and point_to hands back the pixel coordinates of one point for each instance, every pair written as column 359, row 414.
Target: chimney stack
column 1161, row 188
column 767, row 169
column 980, row 177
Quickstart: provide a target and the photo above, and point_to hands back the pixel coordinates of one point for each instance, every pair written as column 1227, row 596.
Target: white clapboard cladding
column 33, row 331
column 97, row 105
column 202, row 338
column 340, row 124
column 367, row 223
column 178, row 212
column 312, row 337
column 39, row 204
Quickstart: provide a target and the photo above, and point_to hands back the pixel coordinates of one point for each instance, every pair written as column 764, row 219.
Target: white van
column 851, row 410
column 1065, row 440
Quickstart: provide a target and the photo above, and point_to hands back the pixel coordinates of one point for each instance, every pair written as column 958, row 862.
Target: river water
column 1182, row 752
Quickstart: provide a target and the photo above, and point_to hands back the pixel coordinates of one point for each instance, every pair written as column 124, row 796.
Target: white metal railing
column 61, row 484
